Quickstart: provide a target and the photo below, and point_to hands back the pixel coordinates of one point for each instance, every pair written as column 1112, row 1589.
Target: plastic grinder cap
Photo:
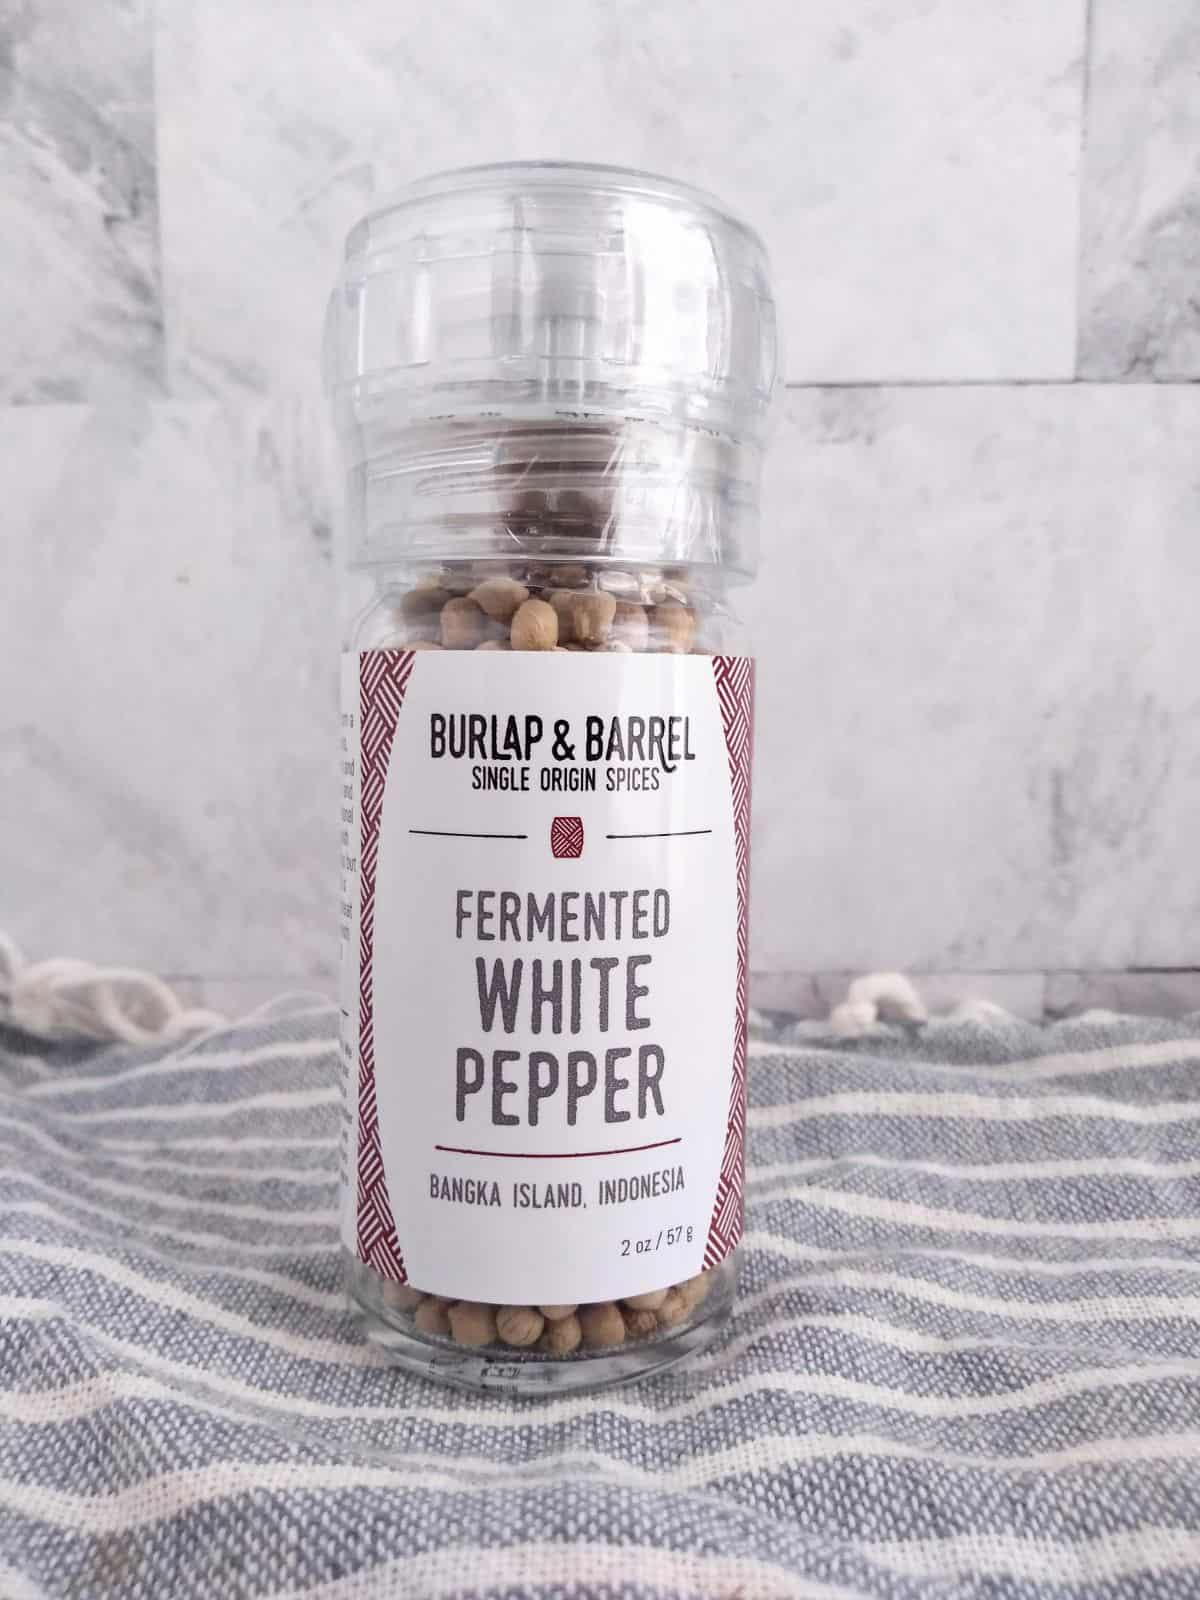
column 542, row 290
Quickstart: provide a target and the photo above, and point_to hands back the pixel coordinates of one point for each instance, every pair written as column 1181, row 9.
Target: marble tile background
column 979, row 751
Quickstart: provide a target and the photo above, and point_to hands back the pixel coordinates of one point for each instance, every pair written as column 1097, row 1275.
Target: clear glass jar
column 551, row 385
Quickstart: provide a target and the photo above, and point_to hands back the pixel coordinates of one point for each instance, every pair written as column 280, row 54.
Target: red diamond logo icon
column 566, row 838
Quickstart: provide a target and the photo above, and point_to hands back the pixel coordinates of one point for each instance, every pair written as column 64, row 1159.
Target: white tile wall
column 1141, row 197
column 980, row 711
column 79, row 243
column 166, row 797
column 912, row 163
column 978, row 740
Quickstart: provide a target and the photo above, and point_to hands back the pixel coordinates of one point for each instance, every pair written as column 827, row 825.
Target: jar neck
column 635, row 494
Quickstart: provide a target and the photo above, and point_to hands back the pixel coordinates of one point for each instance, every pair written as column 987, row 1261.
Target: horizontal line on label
column 676, row 833
column 445, row 833
column 555, row 1155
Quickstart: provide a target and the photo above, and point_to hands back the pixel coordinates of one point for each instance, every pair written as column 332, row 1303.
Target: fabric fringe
column 67, row 999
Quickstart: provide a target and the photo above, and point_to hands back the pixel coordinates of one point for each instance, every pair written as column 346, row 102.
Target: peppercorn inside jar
column 550, row 384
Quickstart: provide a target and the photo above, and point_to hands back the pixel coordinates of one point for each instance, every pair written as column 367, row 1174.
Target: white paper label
column 551, row 984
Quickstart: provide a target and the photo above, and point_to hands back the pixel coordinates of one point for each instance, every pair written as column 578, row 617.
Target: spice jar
column 551, row 384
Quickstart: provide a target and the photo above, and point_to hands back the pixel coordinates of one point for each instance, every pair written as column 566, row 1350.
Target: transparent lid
column 530, row 300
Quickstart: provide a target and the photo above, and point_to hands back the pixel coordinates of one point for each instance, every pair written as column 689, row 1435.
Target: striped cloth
column 965, row 1361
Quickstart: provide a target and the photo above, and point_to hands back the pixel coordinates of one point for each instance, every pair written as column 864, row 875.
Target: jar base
column 526, row 1373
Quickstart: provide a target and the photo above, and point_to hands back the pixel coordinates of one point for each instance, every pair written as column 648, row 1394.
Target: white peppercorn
column 592, row 615
column 602, row 1325
column 563, row 601
column 432, row 1316
column 630, row 625
column 563, row 1336
column 675, row 625
column 424, row 600
column 694, row 1290
column 535, row 626
column 519, row 1325
column 462, row 624
column 673, row 1310
column 639, row 1324
column 500, row 597
column 645, row 1302
column 471, row 1323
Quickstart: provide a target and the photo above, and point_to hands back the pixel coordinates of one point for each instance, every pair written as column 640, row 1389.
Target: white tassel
column 65, row 999
column 11, row 962
column 892, row 995
column 853, row 1019
column 879, row 996
column 985, row 1012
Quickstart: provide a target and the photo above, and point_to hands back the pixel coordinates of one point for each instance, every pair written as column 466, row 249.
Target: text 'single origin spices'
column 551, row 384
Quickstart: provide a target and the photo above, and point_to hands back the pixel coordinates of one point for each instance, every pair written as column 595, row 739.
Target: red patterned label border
column 383, row 678
column 735, row 692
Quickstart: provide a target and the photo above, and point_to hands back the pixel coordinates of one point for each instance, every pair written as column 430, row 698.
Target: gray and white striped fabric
column 966, row 1358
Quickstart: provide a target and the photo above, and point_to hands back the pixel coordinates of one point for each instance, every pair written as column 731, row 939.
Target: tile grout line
column 852, row 384
column 1085, row 110
column 1189, row 969
column 816, row 386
